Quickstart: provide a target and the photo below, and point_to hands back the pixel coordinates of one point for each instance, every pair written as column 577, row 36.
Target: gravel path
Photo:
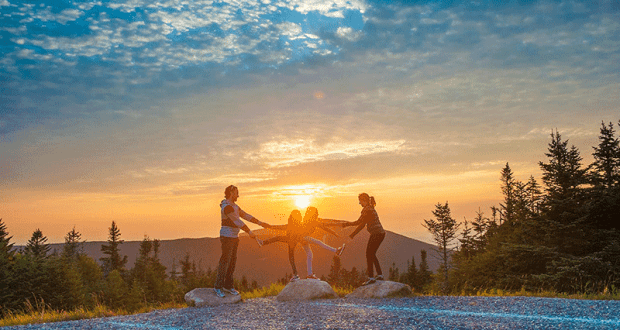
column 401, row 313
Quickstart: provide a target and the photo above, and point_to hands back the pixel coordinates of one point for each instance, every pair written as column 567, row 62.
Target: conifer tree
column 444, row 230
column 335, row 271
column 73, row 245
column 6, row 262
column 607, row 157
column 508, row 207
column 37, row 246
column 424, row 271
column 112, row 259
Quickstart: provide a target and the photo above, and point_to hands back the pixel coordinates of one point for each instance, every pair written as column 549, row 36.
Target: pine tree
column 563, row 176
column 72, row 248
column 607, row 158
column 508, row 207
column 424, row 271
column 394, row 273
column 113, row 260
column 335, row 271
column 7, row 256
column 444, row 230
column 37, row 246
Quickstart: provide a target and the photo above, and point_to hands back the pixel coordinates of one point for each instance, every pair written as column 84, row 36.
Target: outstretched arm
column 278, row 227
column 324, row 227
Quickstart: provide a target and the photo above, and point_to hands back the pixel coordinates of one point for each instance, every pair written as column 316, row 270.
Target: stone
column 200, row 297
column 381, row 289
column 307, row 289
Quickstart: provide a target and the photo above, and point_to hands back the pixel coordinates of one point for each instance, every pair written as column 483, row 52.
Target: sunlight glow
column 302, row 201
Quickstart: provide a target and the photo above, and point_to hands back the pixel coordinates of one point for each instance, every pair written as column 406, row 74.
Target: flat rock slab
column 381, row 289
column 307, row 289
column 206, row 297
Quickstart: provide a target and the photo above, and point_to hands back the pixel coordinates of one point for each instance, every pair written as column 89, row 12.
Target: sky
column 142, row 112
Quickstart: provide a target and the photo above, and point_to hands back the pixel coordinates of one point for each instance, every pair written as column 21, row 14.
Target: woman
column 298, row 230
column 370, row 219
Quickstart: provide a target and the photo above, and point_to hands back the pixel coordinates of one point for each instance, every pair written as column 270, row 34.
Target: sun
column 302, row 201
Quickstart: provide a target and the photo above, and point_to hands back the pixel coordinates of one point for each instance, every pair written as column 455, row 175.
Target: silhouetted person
column 298, row 231
column 229, row 237
column 370, row 219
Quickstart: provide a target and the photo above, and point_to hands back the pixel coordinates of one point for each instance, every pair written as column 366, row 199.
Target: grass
column 41, row 314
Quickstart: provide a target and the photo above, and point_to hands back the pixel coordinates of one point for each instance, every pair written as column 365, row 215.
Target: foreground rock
column 381, row 289
column 206, row 297
column 307, row 290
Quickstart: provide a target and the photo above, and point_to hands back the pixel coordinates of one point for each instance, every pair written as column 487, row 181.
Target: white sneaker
column 231, row 291
column 371, row 280
column 294, row 278
column 340, row 250
column 219, row 292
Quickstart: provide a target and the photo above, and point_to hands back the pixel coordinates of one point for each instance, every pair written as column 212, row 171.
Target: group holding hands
column 298, row 230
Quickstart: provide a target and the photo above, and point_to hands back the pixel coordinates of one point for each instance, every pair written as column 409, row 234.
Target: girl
column 370, row 219
column 298, row 230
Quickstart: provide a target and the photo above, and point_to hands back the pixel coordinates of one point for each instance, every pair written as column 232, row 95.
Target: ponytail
column 370, row 199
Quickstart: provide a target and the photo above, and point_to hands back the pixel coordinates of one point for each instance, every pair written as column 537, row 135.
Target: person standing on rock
column 229, row 238
column 370, row 219
column 298, row 231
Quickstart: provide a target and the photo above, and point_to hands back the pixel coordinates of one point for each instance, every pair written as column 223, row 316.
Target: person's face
column 234, row 195
column 363, row 202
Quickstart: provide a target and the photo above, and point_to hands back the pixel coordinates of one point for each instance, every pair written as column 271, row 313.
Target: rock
column 307, row 289
column 206, row 297
column 381, row 289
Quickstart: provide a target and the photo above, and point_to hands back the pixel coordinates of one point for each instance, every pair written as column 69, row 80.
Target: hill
column 270, row 263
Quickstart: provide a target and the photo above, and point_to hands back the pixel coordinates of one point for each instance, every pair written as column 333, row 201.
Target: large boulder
column 307, row 289
column 381, row 289
column 206, row 297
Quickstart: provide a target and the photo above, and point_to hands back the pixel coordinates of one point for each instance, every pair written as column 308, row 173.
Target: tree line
column 69, row 279
column 561, row 236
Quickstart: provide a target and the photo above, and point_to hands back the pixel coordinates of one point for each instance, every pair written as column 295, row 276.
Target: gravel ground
column 400, row 313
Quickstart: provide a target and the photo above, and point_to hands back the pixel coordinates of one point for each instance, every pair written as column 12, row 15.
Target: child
column 298, row 230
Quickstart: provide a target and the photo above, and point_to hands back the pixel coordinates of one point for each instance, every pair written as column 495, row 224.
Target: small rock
column 206, row 297
column 307, row 290
column 381, row 289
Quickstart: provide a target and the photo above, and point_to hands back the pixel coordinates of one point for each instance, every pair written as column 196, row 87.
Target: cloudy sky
column 142, row 112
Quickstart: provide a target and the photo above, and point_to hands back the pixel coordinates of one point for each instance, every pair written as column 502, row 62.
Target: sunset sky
column 142, row 112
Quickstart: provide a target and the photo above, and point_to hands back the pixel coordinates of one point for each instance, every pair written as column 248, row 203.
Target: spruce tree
column 112, row 259
column 72, row 248
column 7, row 256
column 444, row 230
column 607, row 158
column 37, row 246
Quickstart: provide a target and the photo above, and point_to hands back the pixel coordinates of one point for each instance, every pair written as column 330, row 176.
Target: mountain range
column 269, row 263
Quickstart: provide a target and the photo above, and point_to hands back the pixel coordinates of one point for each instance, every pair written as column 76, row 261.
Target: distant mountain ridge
column 269, row 263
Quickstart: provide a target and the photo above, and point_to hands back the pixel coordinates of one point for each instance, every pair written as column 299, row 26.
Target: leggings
column 305, row 244
column 371, row 253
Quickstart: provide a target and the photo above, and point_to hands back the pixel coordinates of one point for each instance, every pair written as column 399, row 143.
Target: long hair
column 369, row 199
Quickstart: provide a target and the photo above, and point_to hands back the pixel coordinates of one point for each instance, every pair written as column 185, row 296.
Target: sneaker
column 219, row 292
column 379, row 278
column 294, row 278
column 340, row 250
column 232, row 291
column 312, row 277
column 371, row 280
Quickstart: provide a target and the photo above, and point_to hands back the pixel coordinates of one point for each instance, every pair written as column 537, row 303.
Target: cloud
column 278, row 154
